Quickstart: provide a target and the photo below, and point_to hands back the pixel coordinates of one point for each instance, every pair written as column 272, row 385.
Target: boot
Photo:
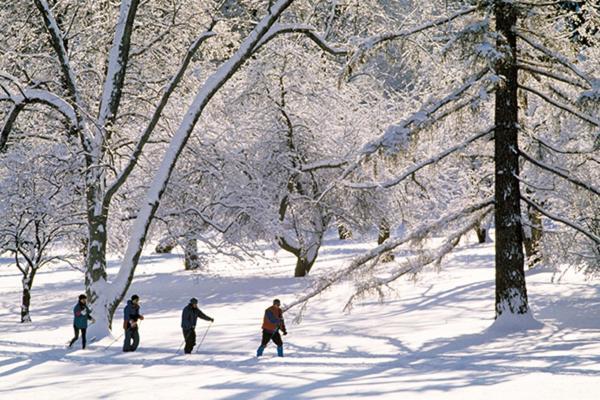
column 280, row 351
column 259, row 351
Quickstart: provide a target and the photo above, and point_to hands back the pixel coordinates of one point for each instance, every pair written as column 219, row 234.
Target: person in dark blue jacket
column 189, row 316
column 81, row 316
column 131, row 316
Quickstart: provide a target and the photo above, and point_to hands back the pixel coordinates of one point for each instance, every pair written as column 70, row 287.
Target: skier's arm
column 282, row 324
column 203, row 316
column 77, row 311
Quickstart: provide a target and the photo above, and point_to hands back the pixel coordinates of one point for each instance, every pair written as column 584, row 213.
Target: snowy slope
column 429, row 341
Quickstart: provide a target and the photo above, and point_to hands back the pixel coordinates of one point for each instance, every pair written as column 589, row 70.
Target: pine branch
column 565, row 221
column 585, row 117
column 417, row 167
column 563, row 175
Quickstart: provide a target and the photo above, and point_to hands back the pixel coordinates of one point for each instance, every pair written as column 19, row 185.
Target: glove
column 141, row 317
column 284, row 333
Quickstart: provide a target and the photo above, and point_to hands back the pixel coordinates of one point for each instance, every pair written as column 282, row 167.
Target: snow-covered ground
column 428, row 341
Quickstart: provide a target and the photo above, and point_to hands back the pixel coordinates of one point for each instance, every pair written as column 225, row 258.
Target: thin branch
column 550, row 74
column 585, row 117
column 565, row 221
column 556, row 171
column 417, row 167
column 557, row 57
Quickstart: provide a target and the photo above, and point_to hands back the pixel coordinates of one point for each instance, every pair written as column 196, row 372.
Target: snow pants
column 132, row 340
column 83, row 338
column 190, row 340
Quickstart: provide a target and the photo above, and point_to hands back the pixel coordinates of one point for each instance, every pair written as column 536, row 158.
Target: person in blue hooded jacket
column 81, row 316
column 189, row 317
column 131, row 316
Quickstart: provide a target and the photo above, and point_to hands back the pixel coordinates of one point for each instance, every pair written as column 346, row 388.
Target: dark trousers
column 190, row 340
column 132, row 340
column 275, row 337
column 83, row 339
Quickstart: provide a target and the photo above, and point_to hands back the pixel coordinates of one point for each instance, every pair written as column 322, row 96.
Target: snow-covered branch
column 551, row 74
column 414, row 265
column 371, row 42
column 556, row 57
column 558, row 218
column 306, row 30
column 58, row 43
column 117, row 63
column 565, row 107
column 556, row 171
column 33, row 96
column 420, row 165
column 390, row 244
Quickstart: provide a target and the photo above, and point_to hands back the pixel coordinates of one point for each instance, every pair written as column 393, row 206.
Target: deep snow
column 432, row 339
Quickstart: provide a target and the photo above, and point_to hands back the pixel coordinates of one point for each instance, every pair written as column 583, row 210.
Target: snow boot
column 259, row 351
column 280, row 351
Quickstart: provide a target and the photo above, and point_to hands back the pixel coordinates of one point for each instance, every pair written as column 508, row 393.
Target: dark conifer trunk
column 511, row 292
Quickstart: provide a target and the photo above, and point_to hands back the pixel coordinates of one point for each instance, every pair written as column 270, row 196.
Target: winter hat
column 276, row 301
column 82, row 296
column 193, row 300
column 135, row 297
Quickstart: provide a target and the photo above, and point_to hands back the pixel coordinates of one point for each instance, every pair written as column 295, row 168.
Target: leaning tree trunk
column 26, row 296
column 511, row 292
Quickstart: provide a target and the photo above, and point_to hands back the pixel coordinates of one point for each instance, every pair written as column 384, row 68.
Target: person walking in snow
column 272, row 324
column 81, row 316
column 189, row 316
column 131, row 316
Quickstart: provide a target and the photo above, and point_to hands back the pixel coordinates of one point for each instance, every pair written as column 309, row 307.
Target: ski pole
column 203, row 337
column 114, row 341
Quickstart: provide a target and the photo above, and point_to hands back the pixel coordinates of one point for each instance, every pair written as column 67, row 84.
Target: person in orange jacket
column 272, row 324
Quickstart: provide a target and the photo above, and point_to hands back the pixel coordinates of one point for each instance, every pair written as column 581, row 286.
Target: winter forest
column 418, row 182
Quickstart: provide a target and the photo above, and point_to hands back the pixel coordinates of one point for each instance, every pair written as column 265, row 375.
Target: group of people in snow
column 272, row 323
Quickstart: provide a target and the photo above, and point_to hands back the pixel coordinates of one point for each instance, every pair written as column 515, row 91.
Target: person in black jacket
column 131, row 315
column 189, row 316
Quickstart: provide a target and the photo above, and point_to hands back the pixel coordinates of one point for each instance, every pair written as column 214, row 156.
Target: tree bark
column 165, row 245
column 511, row 292
column 533, row 237
column 26, row 295
column 343, row 232
column 190, row 249
column 384, row 234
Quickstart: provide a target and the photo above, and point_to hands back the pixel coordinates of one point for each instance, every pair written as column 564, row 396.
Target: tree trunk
column 26, row 296
column 384, row 234
column 481, row 233
column 190, row 249
column 533, row 237
column 511, row 292
column 305, row 262
column 343, row 232
column 165, row 245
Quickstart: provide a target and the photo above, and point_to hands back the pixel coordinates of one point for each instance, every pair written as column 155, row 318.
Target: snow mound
column 510, row 322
